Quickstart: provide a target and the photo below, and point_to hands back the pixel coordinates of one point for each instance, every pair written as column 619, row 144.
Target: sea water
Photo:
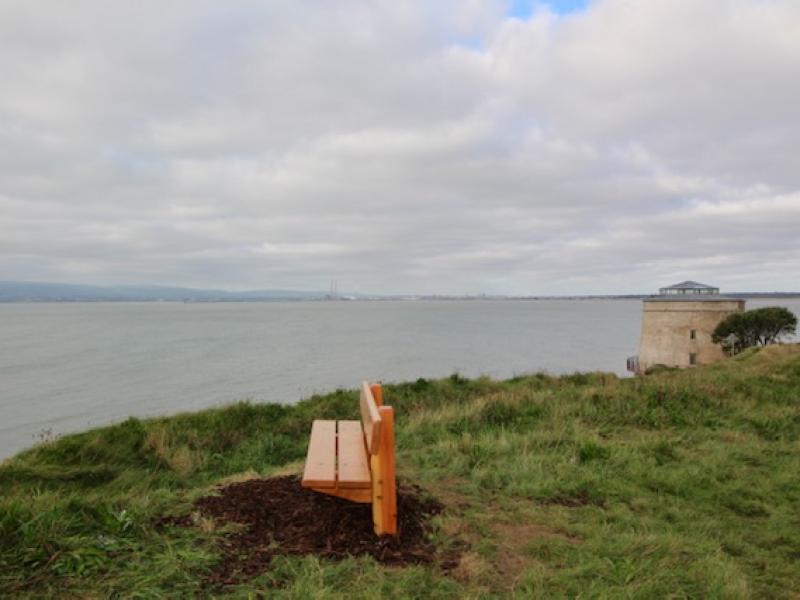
column 68, row 366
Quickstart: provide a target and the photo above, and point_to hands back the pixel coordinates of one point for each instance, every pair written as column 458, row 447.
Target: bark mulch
column 279, row 517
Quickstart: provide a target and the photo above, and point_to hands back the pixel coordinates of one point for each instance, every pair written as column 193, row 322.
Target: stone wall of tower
column 666, row 337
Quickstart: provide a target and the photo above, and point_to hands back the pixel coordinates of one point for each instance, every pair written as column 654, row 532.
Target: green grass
column 682, row 484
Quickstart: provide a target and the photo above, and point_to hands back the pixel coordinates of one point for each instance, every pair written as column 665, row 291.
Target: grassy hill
column 680, row 484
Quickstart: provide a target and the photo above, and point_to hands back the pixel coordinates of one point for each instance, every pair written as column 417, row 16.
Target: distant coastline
column 22, row 291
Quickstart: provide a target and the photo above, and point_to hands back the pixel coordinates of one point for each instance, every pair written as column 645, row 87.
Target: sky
column 452, row 147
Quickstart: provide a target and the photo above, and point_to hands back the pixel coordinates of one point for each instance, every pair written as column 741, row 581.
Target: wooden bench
column 355, row 459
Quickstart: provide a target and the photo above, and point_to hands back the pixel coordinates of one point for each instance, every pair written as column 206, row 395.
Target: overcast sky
column 402, row 147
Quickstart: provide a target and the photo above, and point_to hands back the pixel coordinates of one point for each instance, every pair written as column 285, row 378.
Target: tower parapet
column 688, row 288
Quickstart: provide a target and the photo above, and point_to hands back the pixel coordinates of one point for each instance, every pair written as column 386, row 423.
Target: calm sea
column 66, row 367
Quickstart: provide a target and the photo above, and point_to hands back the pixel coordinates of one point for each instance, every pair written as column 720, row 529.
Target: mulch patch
column 279, row 517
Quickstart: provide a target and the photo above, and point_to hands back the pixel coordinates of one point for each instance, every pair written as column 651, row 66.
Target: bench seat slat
column 353, row 463
column 320, row 469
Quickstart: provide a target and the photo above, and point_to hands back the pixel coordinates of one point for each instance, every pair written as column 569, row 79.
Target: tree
column 758, row 327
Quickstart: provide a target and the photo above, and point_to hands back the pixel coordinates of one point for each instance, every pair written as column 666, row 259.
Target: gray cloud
column 401, row 147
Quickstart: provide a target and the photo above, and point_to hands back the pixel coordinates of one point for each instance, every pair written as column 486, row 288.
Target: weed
column 592, row 451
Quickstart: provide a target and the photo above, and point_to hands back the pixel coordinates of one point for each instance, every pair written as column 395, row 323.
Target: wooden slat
column 370, row 419
column 320, row 469
column 353, row 469
column 377, row 393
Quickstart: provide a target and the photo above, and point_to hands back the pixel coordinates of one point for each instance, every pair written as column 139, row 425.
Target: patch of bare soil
column 524, row 532
column 578, row 499
column 510, row 559
column 279, row 517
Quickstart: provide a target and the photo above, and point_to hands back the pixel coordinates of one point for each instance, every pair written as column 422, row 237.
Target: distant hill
column 30, row 291
column 24, row 291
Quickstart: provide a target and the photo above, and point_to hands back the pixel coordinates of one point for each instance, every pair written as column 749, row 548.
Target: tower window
column 693, row 334
column 692, row 358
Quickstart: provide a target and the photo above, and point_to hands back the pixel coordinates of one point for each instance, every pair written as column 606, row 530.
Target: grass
column 682, row 484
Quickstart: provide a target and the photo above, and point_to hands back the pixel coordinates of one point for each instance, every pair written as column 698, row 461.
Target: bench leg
column 384, row 492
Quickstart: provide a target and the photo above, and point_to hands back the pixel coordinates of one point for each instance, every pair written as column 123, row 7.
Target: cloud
column 448, row 147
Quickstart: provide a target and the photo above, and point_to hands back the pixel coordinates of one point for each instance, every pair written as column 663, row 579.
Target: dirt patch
column 279, row 517
column 524, row 532
column 578, row 499
column 510, row 559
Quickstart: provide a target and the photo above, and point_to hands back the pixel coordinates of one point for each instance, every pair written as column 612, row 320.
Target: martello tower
column 677, row 326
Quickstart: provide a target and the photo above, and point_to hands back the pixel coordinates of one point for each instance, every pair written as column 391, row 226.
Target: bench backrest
column 370, row 418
